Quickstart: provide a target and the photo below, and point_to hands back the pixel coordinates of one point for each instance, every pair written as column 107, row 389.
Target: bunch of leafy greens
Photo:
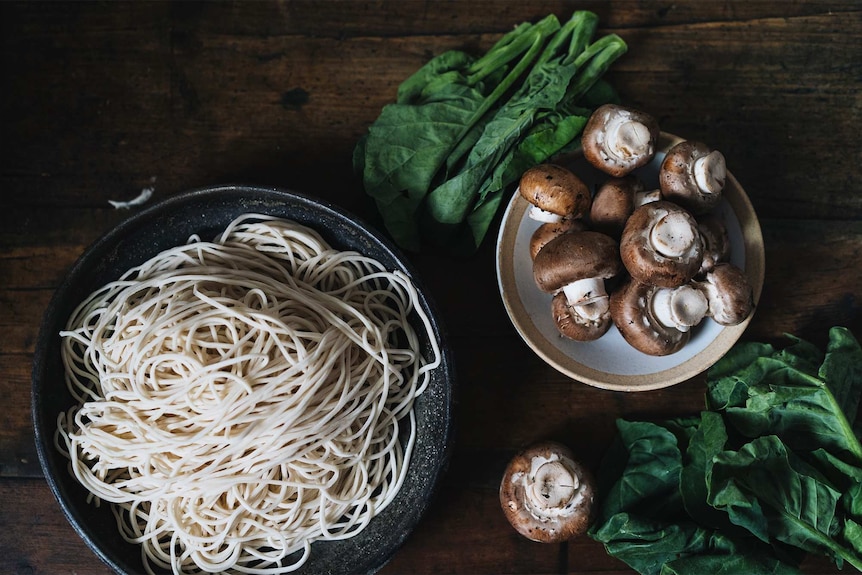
column 462, row 130
column 770, row 471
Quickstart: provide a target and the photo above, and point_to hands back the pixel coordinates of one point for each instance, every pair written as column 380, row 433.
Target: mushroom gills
column 645, row 197
column 588, row 297
column 673, row 235
column 710, row 172
column 626, row 139
column 680, row 308
column 551, row 488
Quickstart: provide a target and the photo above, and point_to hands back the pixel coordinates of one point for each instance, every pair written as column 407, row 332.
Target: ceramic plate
column 610, row 362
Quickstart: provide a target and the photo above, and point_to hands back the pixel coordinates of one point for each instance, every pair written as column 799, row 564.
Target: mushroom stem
column 645, row 197
column 540, row 215
column 710, row 172
column 588, row 297
column 626, row 138
column 553, row 486
column 681, row 308
column 673, row 235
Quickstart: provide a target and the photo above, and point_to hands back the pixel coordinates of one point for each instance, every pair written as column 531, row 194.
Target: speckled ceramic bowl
column 610, row 362
column 206, row 212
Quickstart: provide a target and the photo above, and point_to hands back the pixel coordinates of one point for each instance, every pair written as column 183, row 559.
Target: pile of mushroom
column 651, row 261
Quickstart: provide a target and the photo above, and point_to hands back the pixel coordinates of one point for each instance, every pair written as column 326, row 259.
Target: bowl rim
column 520, row 317
column 44, row 434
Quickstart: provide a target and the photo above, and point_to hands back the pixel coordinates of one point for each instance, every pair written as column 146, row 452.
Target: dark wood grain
column 100, row 101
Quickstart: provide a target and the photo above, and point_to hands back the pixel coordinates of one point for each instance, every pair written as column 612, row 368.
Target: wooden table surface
column 102, row 100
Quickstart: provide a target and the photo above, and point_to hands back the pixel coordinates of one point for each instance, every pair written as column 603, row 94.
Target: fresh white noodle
column 240, row 399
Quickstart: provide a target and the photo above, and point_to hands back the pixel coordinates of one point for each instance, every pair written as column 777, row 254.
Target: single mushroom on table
column 554, row 192
column 614, row 202
column 693, row 175
column 546, row 494
column 573, row 267
column 661, row 245
column 617, row 140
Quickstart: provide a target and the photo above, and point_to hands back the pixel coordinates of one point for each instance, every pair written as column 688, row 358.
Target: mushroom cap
column 730, row 295
column 633, row 317
column 693, row 176
column 549, row 230
column 576, row 326
column 546, row 494
column 679, row 253
column 716, row 242
column 575, row 256
column 555, row 189
column 617, row 140
column 613, row 203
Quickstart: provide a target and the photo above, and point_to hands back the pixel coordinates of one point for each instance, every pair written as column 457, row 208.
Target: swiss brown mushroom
column 693, row 175
column 617, row 140
column 573, row 267
column 661, row 245
column 730, row 295
column 657, row 320
column 554, row 192
column 546, row 494
column 549, row 230
column 614, row 202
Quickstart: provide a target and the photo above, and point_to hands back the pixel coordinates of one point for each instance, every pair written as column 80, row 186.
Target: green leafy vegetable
column 462, row 130
column 770, row 471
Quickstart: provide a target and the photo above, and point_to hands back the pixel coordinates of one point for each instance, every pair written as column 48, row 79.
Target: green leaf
column 510, row 142
column 769, row 472
column 404, row 149
column 541, row 143
column 775, row 494
column 707, row 442
column 438, row 112
column 842, row 371
column 649, row 482
column 732, row 559
column 767, row 391
column 412, row 90
column 642, row 520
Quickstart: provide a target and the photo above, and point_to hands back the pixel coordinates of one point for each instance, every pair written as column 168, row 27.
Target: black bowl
column 206, row 212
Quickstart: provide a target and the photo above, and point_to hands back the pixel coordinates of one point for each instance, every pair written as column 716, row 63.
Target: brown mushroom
column 577, row 264
column 549, row 230
column 554, row 192
column 661, row 245
column 693, row 176
column 730, row 295
column 617, row 140
column 546, row 494
column 577, row 325
column 716, row 243
column 657, row 320
column 614, row 202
